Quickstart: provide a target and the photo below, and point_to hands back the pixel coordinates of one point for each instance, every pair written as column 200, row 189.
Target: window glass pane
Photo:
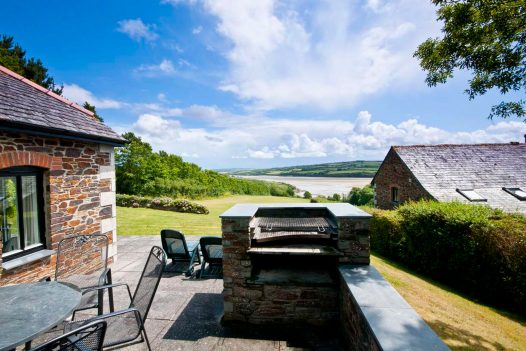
column 30, row 210
column 9, row 215
column 517, row 192
column 471, row 195
column 394, row 194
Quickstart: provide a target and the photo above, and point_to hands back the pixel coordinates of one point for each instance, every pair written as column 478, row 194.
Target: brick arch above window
column 29, row 158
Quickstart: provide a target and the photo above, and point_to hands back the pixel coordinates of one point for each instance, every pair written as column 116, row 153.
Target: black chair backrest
column 211, row 248
column 84, row 256
column 89, row 337
column 150, row 278
column 169, row 237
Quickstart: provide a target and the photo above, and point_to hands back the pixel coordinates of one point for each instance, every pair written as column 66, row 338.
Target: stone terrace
column 186, row 312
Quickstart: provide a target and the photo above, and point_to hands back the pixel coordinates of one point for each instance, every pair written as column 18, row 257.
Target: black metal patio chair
column 212, row 250
column 89, row 337
column 124, row 331
column 83, row 260
column 179, row 250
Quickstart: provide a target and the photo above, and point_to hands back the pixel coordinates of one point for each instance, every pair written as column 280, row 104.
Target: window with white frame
column 21, row 211
column 472, row 195
column 517, row 192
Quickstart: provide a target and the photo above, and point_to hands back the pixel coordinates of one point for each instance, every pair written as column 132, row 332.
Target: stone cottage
column 57, row 177
column 492, row 174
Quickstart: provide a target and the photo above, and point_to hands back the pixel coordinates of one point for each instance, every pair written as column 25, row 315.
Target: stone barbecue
column 281, row 261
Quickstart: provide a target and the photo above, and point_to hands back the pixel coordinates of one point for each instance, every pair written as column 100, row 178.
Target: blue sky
column 256, row 83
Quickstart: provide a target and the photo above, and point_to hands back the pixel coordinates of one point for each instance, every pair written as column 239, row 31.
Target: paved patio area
column 186, row 312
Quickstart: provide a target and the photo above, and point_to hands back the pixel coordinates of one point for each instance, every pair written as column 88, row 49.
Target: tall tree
column 12, row 56
column 93, row 109
column 486, row 37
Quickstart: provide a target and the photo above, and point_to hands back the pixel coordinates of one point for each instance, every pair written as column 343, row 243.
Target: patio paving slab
column 186, row 312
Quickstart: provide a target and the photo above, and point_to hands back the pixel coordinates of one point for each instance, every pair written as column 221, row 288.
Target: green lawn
column 461, row 323
column 143, row 221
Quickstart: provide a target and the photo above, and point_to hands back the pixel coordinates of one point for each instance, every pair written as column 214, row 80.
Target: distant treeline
column 141, row 171
column 337, row 169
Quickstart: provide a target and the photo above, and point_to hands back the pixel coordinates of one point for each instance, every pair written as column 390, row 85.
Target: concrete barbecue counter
column 337, row 209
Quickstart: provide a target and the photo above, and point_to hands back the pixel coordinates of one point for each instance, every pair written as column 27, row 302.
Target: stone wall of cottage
column 394, row 173
column 79, row 193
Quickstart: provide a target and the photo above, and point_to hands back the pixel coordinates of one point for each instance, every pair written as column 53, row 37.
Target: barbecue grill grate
column 272, row 236
column 268, row 223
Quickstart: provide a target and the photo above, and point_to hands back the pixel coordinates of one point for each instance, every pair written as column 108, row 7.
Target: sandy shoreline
column 318, row 185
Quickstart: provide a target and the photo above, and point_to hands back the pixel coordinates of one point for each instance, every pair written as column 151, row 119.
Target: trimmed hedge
column 161, row 203
column 476, row 249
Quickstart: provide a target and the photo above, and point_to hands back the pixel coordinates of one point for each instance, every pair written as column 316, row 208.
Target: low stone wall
column 375, row 317
column 356, row 333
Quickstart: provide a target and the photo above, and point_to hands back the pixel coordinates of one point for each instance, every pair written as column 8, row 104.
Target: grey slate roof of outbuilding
column 486, row 168
column 26, row 106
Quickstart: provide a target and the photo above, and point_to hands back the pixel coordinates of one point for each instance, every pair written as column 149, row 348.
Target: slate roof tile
column 25, row 104
column 486, row 168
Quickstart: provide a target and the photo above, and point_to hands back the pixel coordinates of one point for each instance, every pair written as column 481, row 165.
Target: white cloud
column 158, row 109
column 154, row 128
column 250, row 141
column 80, row 95
column 374, row 5
column 184, row 154
column 178, row 2
column 166, row 68
column 329, row 56
column 265, row 152
column 197, row 30
column 137, row 30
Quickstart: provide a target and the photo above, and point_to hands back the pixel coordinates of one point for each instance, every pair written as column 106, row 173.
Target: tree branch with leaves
column 486, row 37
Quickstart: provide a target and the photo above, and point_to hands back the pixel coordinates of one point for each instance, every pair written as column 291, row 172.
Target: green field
column 337, row 169
column 144, row 221
column 461, row 323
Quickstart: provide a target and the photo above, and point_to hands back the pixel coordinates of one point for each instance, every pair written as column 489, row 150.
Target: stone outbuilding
column 492, row 174
column 57, row 177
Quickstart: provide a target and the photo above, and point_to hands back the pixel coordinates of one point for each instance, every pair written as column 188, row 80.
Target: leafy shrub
column 335, row 197
column 386, row 233
column 307, row 195
column 321, row 199
column 476, row 249
column 362, row 196
column 161, row 203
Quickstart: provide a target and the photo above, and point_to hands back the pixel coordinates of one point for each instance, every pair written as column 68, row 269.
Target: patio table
column 28, row 310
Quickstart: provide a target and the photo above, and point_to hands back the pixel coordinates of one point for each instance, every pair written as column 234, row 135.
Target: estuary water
column 318, row 185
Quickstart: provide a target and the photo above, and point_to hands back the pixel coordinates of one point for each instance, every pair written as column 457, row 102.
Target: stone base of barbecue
column 259, row 293
column 279, row 304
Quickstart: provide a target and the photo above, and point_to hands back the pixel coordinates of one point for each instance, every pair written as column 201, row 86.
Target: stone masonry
column 356, row 332
column 394, row 173
column 354, row 240
column 79, row 193
column 248, row 301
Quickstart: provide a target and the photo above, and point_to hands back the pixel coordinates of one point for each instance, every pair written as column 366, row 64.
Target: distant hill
column 366, row 169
